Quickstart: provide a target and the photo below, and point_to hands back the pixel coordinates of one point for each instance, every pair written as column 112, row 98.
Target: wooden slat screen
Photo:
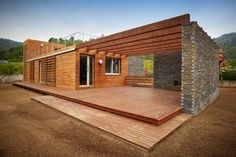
column 32, row 72
column 51, row 71
column 48, row 71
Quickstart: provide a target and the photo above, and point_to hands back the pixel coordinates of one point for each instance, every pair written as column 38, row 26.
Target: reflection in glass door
column 86, row 70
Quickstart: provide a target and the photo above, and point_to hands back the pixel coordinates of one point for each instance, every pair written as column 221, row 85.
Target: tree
column 15, row 54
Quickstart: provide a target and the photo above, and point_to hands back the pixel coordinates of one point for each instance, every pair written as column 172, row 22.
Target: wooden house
column 184, row 56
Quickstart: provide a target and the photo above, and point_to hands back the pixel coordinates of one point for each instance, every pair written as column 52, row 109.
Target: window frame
column 112, row 66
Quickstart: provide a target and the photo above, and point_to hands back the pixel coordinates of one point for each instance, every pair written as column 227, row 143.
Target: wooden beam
column 157, row 33
column 152, row 51
column 145, row 41
column 83, row 50
column 148, row 48
column 109, row 54
column 101, row 53
column 180, row 20
column 92, row 52
column 117, row 55
column 175, row 41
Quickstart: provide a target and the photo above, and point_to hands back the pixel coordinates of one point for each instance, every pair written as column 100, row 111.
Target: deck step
column 136, row 132
column 154, row 115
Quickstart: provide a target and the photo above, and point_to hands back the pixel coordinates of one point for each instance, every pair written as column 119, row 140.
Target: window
column 112, row 66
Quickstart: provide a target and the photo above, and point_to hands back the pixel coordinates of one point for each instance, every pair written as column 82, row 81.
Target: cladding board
column 36, row 71
column 103, row 80
column 66, row 70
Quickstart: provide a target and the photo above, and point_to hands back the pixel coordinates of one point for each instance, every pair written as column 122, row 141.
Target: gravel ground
column 28, row 128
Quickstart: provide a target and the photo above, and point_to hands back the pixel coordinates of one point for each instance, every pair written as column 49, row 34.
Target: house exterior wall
column 66, row 70
column 100, row 79
column 35, row 48
column 200, row 69
column 167, row 70
column 136, row 66
column 103, row 80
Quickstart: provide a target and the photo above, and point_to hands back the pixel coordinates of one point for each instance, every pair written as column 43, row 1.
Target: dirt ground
column 28, row 128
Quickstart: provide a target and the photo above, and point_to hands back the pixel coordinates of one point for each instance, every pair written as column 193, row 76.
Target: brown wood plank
column 153, row 51
column 144, row 104
column 139, row 133
column 155, row 40
column 163, row 47
column 144, row 41
column 180, row 20
column 148, row 45
column 139, row 81
column 157, row 33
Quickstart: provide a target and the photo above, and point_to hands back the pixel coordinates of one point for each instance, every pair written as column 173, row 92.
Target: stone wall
column 135, row 66
column 167, row 70
column 200, row 69
column 10, row 78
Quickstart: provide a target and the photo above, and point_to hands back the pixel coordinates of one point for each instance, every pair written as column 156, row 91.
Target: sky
column 42, row 19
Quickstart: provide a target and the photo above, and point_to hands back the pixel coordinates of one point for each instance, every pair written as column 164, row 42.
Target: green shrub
column 11, row 69
column 232, row 62
column 148, row 66
column 228, row 75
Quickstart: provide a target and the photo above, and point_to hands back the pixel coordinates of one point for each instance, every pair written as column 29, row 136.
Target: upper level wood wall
column 36, row 48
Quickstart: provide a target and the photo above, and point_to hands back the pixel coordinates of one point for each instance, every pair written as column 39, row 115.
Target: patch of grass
column 232, row 62
column 228, row 75
column 148, row 66
column 12, row 68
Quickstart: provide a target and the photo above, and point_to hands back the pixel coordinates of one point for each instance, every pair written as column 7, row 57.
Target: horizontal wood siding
column 66, row 70
column 102, row 80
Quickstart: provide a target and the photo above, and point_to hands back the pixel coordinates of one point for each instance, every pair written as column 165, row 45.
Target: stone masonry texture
column 167, row 70
column 200, row 69
column 136, row 66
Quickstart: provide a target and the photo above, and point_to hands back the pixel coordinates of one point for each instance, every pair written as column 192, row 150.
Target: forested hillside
column 11, row 50
column 228, row 43
column 6, row 44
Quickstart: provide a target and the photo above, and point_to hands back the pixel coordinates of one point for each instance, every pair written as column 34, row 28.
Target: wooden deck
column 155, row 106
column 137, row 132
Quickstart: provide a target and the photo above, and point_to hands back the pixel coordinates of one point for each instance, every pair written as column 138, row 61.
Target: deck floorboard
column 146, row 104
column 140, row 133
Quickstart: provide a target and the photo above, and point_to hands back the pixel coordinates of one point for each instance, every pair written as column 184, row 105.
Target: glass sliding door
column 86, row 70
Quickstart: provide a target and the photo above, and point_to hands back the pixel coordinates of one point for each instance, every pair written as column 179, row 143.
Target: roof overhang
column 53, row 54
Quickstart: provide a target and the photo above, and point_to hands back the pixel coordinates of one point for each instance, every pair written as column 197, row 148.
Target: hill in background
column 7, row 44
column 228, row 43
column 11, row 50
